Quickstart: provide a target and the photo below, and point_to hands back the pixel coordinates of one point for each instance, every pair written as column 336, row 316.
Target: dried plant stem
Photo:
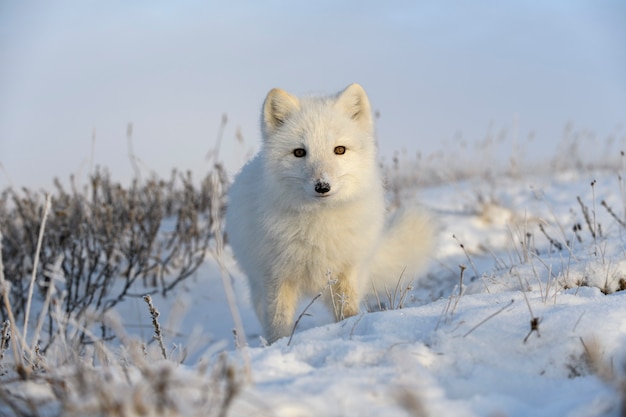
column 489, row 318
column 56, row 272
column 622, row 190
column 92, row 151
column 612, row 213
column 398, row 290
column 15, row 333
column 593, row 193
column 446, row 309
column 470, row 261
column 534, row 321
column 534, row 327
column 585, row 211
column 444, row 313
column 458, row 298
column 6, row 174
column 214, row 153
column 553, row 242
column 35, row 265
column 375, row 291
column 226, row 280
column 304, row 313
column 158, row 334
column 131, row 153
column 4, row 337
column 64, row 320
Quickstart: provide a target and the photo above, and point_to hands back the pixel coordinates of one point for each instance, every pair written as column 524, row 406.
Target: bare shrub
column 108, row 238
column 103, row 381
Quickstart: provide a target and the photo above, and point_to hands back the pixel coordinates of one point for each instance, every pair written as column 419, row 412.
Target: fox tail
column 404, row 250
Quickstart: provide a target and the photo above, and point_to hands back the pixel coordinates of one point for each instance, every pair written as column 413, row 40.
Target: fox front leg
column 282, row 303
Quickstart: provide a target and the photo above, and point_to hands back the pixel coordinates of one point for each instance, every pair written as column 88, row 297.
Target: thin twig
column 375, row 291
column 612, row 213
column 534, row 327
column 55, row 274
column 357, row 321
column 16, row 336
column 214, row 153
column 131, row 153
column 458, row 298
column 585, row 211
column 304, row 313
column 557, row 245
column 31, row 286
column 593, row 193
column 4, row 338
column 396, row 290
column 470, row 261
column 218, row 255
column 489, row 318
column 534, row 321
column 158, row 335
column 444, row 312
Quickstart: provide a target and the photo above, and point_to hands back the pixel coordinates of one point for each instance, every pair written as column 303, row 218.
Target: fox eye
column 299, row 153
column 340, row 150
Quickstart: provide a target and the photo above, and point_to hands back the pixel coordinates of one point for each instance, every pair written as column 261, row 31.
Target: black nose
column 322, row 187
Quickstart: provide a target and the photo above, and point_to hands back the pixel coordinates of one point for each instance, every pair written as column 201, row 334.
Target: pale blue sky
column 432, row 69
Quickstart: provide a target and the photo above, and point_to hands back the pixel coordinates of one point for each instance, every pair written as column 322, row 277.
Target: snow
column 364, row 364
column 464, row 343
column 468, row 353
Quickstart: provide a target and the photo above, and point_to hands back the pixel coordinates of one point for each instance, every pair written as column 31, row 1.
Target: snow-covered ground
column 522, row 313
column 454, row 351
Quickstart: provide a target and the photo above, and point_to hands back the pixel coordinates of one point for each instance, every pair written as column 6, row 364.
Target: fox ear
column 354, row 103
column 279, row 105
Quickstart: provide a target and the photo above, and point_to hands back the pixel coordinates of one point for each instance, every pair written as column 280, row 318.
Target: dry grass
column 107, row 238
column 97, row 247
column 82, row 375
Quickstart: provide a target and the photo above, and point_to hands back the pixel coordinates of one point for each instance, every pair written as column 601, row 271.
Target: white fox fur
column 309, row 209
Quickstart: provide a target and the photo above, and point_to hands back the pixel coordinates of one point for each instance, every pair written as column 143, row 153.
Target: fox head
column 321, row 148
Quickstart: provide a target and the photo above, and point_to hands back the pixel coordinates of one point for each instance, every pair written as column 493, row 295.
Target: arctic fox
column 307, row 213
